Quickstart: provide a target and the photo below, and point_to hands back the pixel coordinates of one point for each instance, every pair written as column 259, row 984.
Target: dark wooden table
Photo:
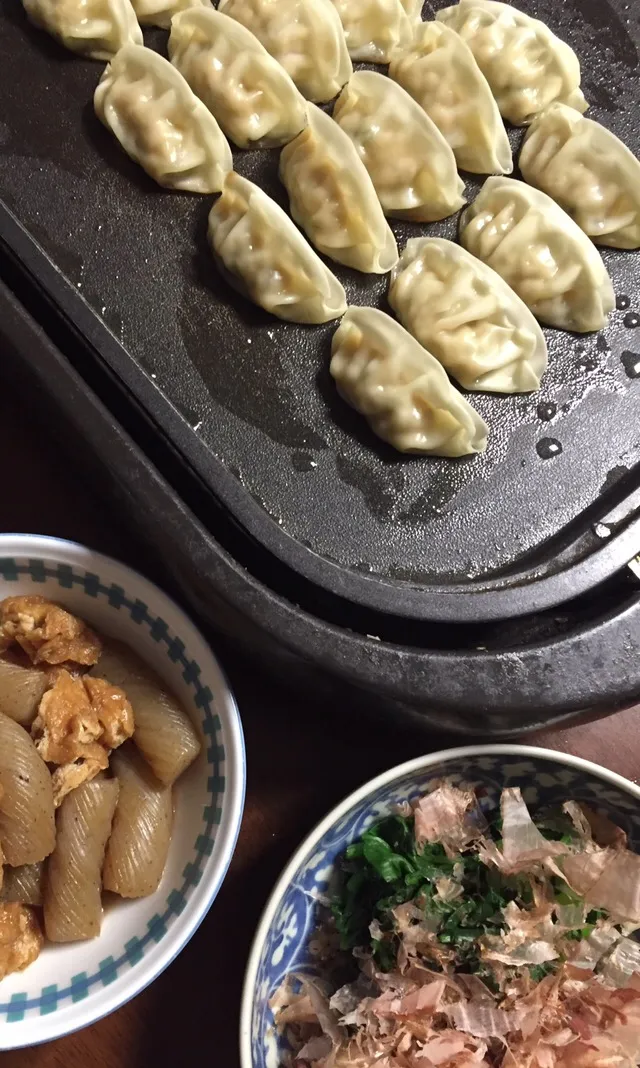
column 301, row 760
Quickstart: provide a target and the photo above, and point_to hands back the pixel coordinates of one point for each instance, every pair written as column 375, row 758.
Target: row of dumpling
column 406, row 142
column 383, row 149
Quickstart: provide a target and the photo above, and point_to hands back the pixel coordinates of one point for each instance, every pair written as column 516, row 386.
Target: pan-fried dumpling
column 409, row 162
column 306, row 36
column 268, row 260
column 373, row 28
column 333, row 198
column 526, row 65
column 401, row 388
column 160, row 123
column 160, row 12
column 439, row 71
column 95, row 28
column 539, row 250
column 468, row 317
column 248, row 91
column 588, row 171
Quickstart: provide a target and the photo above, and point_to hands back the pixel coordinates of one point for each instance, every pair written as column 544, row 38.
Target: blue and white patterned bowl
column 281, row 942
column 71, row 986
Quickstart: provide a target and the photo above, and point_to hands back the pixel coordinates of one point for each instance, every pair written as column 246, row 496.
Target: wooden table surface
column 301, row 760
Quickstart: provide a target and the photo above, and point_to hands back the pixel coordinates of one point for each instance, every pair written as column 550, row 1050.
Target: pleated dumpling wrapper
column 305, row 36
column 410, row 163
column 160, row 122
column 266, row 258
column 160, row 12
column 526, row 65
column 588, row 171
column 438, row 70
column 541, row 252
column 468, row 317
column 249, row 92
column 375, row 28
column 333, row 198
column 95, row 28
column 402, row 390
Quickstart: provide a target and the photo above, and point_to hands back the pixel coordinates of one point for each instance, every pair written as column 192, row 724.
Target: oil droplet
column 631, row 363
column 632, row 320
column 303, row 461
column 546, row 411
column 623, row 302
column 589, row 363
column 548, row 447
column 602, row 344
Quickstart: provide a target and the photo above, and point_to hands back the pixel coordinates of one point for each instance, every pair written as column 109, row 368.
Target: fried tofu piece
column 20, row 938
column 1, row 853
column 79, row 721
column 47, row 633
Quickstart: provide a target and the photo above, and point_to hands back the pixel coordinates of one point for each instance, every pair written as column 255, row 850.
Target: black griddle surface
column 302, row 471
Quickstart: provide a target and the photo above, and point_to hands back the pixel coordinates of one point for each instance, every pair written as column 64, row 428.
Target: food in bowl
column 461, row 935
column 91, row 744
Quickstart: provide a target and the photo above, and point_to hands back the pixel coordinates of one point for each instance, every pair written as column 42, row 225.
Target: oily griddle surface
column 257, row 392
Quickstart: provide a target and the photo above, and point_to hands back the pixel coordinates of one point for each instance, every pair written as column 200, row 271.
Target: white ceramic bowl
column 71, row 986
column 281, row 942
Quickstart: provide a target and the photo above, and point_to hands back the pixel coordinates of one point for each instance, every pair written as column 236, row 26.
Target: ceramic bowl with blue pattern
column 73, row 985
column 291, row 915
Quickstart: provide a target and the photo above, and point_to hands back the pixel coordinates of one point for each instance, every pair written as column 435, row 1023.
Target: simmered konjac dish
column 91, row 744
column 463, row 940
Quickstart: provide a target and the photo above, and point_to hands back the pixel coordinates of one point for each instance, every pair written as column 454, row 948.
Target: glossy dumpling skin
column 160, row 123
column 526, row 65
column 249, row 92
column 439, row 71
column 588, row 171
column 73, row 885
column 305, row 36
column 141, row 833
column 373, row 28
column 27, row 827
column 95, row 28
column 333, row 198
column 468, row 317
column 266, row 258
column 384, row 373
column 543, row 255
column 408, row 160
column 160, row 12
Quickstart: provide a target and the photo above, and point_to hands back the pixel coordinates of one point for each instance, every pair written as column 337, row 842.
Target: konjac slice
column 163, row 732
column 72, row 897
column 20, row 690
column 139, row 842
column 27, row 827
column 23, row 884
